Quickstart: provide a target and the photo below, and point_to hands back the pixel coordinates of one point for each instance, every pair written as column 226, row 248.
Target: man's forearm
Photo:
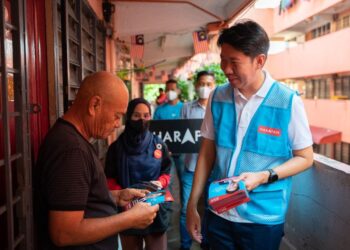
column 204, row 166
column 90, row 230
column 301, row 160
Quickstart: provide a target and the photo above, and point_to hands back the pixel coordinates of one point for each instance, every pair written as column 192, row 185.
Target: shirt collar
column 264, row 89
column 197, row 104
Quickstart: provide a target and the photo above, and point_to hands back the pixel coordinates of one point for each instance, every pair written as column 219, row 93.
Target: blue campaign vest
column 265, row 145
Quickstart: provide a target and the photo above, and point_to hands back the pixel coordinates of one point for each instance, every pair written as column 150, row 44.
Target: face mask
column 139, row 126
column 172, row 95
column 204, row 92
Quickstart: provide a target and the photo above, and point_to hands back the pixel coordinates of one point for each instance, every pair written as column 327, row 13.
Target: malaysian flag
column 137, row 46
column 200, row 42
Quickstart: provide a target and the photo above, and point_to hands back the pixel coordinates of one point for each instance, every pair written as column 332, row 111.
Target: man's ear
column 94, row 105
column 260, row 61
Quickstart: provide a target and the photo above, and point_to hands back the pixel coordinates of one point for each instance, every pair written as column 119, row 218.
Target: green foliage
column 220, row 77
column 123, row 74
column 187, row 88
column 151, row 91
column 183, row 86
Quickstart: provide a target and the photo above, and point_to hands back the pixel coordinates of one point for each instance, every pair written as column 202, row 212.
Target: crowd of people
column 254, row 128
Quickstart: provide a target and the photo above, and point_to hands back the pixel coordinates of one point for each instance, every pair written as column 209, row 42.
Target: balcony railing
column 319, row 214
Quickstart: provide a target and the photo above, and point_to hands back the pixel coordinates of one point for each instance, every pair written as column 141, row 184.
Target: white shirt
column 298, row 131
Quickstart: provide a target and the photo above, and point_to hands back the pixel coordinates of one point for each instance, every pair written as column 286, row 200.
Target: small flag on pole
column 152, row 74
column 137, row 46
column 200, row 42
column 164, row 76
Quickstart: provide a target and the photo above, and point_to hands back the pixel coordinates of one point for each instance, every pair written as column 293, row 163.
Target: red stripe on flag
column 200, row 46
column 136, row 50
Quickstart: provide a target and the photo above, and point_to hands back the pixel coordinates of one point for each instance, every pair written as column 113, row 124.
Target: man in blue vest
column 254, row 128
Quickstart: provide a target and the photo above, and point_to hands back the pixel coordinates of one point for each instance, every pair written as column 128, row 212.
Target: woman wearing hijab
column 137, row 156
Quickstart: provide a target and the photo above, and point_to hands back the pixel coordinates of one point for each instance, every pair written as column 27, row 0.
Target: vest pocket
column 268, row 204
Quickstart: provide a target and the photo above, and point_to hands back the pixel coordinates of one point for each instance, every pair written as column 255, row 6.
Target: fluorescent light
column 266, row 4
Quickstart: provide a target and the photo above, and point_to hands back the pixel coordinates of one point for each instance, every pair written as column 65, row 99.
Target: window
column 15, row 167
column 343, row 22
column 309, row 93
column 346, row 86
column 342, row 86
column 346, row 21
column 342, row 152
column 321, row 31
column 318, row 88
column 81, row 41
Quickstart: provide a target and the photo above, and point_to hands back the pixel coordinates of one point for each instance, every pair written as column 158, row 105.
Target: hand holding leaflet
column 226, row 194
column 156, row 196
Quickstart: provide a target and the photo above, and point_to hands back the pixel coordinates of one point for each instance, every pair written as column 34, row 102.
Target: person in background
column 136, row 156
column 74, row 208
column 204, row 84
column 161, row 98
column 171, row 110
column 254, row 128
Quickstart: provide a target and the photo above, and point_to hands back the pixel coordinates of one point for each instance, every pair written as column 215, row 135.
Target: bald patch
column 105, row 85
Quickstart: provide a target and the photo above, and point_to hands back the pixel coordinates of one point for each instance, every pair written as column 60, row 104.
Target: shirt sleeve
column 299, row 131
column 207, row 129
column 166, row 161
column 164, row 176
column 184, row 111
column 68, row 181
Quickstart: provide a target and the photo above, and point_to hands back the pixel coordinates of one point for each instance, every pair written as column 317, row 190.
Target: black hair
column 204, row 73
column 132, row 105
column 171, row 81
column 246, row 36
column 161, row 90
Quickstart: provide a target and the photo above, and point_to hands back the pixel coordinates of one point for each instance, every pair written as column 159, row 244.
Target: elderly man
column 76, row 209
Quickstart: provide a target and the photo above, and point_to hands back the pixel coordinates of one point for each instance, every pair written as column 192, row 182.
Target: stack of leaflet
column 226, row 194
column 152, row 198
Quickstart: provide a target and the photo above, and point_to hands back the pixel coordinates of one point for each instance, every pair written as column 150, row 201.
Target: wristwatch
column 272, row 177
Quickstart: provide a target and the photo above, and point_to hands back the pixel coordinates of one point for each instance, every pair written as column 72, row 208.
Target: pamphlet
column 226, row 194
column 153, row 198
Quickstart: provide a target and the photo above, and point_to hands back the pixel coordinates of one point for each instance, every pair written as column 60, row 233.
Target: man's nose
column 226, row 68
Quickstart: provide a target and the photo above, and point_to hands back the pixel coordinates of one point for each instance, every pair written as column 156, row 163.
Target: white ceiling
column 168, row 27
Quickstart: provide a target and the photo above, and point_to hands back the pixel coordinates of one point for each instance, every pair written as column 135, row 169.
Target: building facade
column 310, row 52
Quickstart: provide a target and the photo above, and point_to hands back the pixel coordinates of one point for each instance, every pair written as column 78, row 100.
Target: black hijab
column 135, row 131
column 133, row 140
